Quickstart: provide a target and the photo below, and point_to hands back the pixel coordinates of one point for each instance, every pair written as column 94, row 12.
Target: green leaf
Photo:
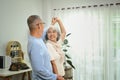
column 68, row 56
column 67, row 45
column 65, row 50
column 65, row 41
column 68, row 34
column 70, row 63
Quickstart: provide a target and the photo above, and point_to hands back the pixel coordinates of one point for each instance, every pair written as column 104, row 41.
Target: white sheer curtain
column 95, row 41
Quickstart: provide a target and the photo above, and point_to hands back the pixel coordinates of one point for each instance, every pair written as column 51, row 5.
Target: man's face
column 40, row 26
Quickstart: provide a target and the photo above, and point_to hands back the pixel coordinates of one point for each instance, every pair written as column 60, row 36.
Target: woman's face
column 52, row 34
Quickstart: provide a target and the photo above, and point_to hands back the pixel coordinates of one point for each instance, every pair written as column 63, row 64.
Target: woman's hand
column 57, row 19
column 54, row 20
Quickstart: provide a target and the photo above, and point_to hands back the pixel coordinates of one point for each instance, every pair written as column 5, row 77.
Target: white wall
column 13, row 20
column 46, row 12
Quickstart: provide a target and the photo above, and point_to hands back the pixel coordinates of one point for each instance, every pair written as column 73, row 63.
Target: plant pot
column 68, row 72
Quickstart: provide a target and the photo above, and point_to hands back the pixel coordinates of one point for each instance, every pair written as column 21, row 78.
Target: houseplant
column 68, row 62
column 66, row 47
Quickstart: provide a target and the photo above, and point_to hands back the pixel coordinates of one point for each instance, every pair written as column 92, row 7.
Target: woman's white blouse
column 56, row 54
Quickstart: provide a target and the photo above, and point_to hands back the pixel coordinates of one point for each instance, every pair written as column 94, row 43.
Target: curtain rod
column 89, row 6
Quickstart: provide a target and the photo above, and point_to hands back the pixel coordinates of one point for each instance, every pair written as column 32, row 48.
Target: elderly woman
column 54, row 43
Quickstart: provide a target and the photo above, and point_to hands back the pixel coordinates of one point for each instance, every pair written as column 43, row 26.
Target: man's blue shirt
column 40, row 59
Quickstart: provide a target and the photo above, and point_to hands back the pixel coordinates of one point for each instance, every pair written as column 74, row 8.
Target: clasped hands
column 54, row 20
column 60, row 77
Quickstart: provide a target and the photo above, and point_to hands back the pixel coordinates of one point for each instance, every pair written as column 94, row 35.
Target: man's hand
column 60, row 78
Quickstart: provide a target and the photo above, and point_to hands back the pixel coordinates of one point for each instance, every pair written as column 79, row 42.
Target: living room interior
column 94, row 26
